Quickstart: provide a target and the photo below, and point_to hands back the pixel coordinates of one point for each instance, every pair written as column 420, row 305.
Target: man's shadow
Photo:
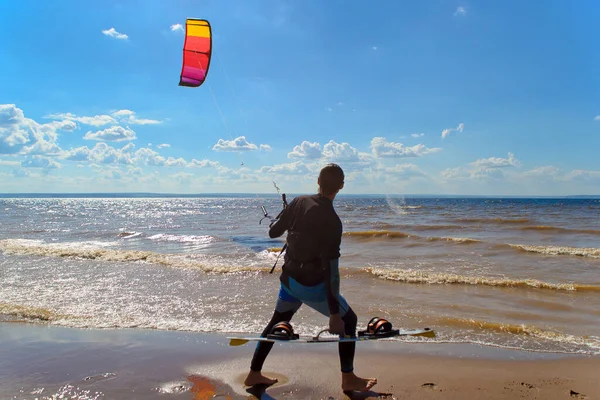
column 260, row 392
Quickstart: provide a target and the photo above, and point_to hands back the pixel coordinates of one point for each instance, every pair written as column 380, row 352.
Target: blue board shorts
column 292, row 297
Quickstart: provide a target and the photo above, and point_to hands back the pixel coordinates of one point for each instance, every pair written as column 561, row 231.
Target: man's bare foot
column 353, row 382
column 257, row 378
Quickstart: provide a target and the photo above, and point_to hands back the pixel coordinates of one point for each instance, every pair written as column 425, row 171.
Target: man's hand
column 336, row 324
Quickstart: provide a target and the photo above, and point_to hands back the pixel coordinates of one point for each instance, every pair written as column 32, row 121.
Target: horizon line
column 171, row 194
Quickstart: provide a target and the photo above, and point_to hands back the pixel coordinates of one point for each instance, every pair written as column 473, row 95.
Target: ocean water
column 513, row 273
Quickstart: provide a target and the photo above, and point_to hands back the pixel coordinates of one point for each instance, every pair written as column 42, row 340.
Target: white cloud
column 265, row 147
column 177, row 27
column 6, row 163
column 40, row 162
column 545, row 171
column 584, row 175
column 496, row 162
column 306, row 150
column 238, row 144
column 149, row 157
column 114, row 133
column 78, row 154
column 381, row 148
column 340, row 152
column 19, row 134
column 295, row 168
column 175, row 162
column 120, row 116
column 416, row 135
column 97, row 120
column 486, row 168
column 597, row 118
column 128, row 116
column 460, row 11
column 203, row 163
column 112, row 32
column 405, row 171
column 41, row 147
column 447, row 131
column 160, row 146
column 454, row 173
column 101, row 153
column 105, row 154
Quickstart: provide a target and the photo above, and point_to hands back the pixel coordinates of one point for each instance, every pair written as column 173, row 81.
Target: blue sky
column 409, row 97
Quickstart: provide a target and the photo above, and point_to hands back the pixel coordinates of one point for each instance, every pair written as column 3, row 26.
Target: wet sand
column 39, row 362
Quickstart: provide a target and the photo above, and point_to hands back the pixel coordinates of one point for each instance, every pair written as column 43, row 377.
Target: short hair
column 331, row 179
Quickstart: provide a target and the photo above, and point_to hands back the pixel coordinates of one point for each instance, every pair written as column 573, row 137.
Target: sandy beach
column 47, row 362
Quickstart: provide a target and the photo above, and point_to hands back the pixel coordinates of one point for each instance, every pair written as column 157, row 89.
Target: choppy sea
column 504, row 272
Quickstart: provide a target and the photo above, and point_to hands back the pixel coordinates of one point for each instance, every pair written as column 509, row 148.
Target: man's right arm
column 283, row 223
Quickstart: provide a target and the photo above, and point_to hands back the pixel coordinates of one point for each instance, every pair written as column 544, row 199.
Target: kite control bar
column 266, row 214
column 273, row 220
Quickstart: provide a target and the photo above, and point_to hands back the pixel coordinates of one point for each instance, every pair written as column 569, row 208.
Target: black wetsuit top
column 314, row 238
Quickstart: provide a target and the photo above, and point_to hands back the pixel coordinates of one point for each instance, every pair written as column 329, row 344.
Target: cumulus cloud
column 405, row 171
column 306, row 150
column 447, row 131
column 544, row 171
column 238, row 144
column 584, row 175
column 40, row 162
column 176, row 28
column 19, row 134
column 149, row 157
column 340, row 152
column 203, row 164
column 97, row 120
column 120, row 116
column 496, row 162
column 128, row 117
column 416, row 135
column 381, row 148
column 78, row 154
column 101, row 153
column 175, row 162
column 114, row 133
column 295, row 168
column 483, row 169
column 7, row 163
column 265, row 147
column 105, row 154
column 160, row 146
column 112, row 32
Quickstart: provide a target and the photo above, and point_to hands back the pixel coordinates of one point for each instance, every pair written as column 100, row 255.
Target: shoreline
column 42, row 360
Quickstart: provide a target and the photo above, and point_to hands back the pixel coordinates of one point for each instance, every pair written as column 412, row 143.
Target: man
column 310, row 275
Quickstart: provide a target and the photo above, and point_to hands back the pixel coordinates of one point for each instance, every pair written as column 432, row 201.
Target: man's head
column 331, row 180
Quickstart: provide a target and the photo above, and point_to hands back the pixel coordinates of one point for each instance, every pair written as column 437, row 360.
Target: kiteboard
column 239, row 341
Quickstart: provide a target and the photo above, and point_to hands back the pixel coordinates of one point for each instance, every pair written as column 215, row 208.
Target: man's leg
column 347, row 349
column 350, row 382
column 285, row 309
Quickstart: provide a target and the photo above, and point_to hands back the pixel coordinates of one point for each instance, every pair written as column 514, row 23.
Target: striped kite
column 197, row 50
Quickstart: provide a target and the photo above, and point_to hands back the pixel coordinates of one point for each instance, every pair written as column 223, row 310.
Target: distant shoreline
column 241, row 195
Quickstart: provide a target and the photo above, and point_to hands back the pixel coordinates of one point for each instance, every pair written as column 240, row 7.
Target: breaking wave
column 558, row 250
column 431, row 277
